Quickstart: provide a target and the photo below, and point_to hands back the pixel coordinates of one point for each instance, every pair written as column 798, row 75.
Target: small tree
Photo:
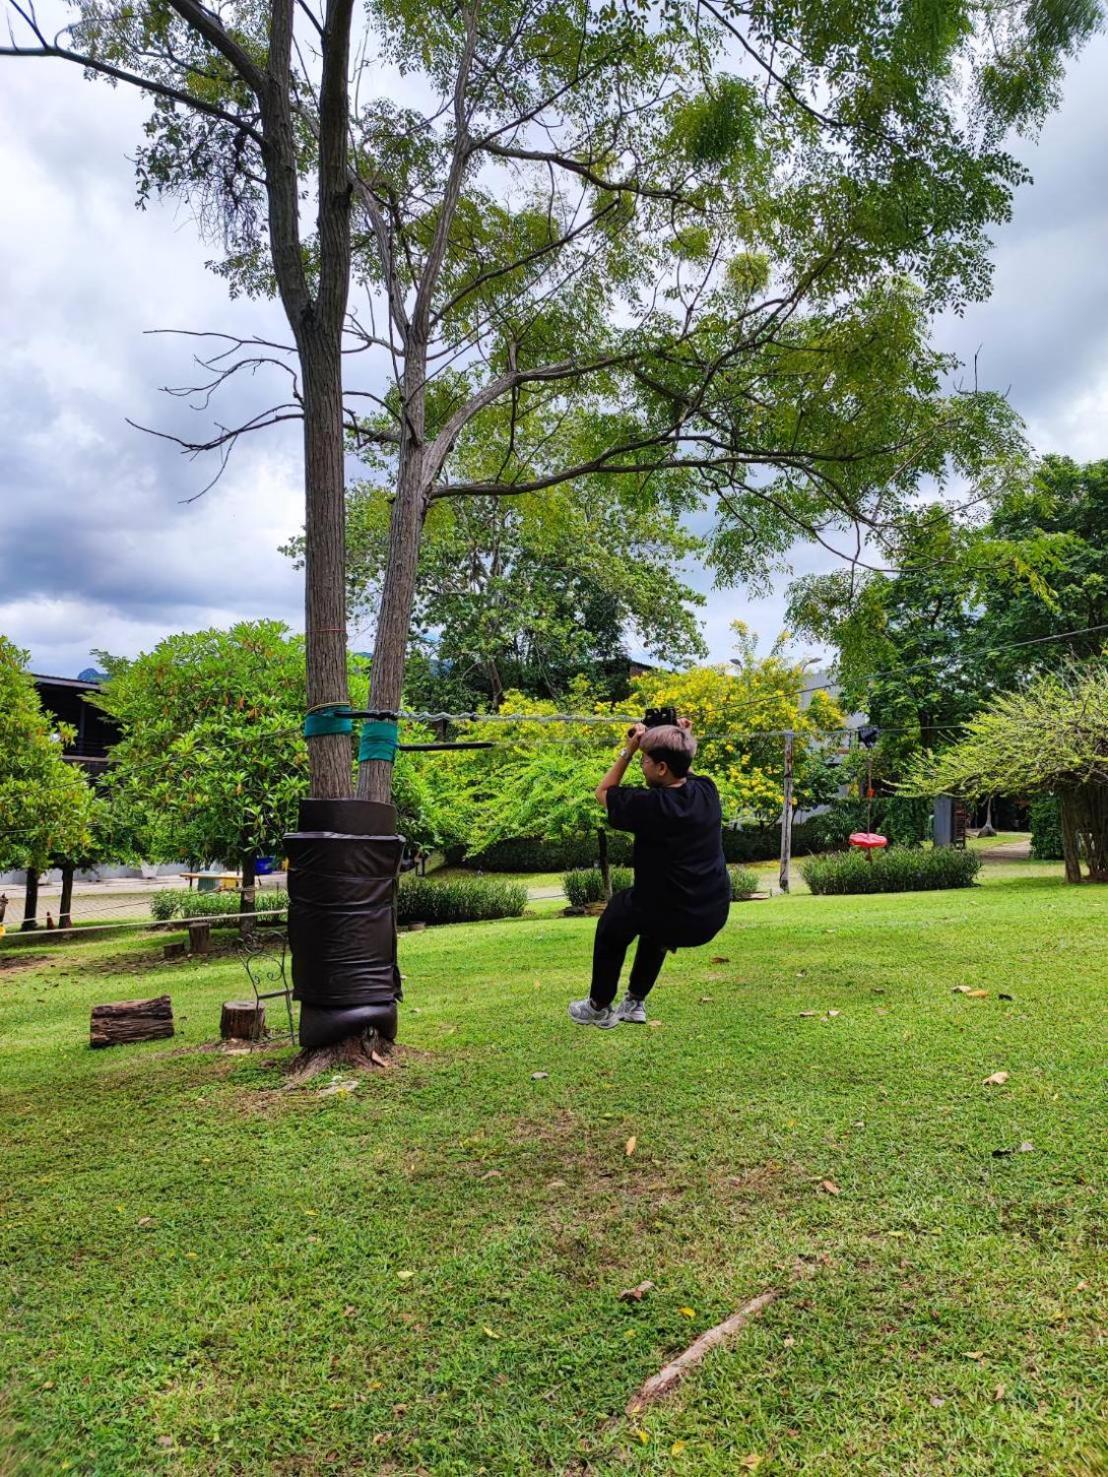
column 211, row 755
column 1050, row 738
column 45, row 801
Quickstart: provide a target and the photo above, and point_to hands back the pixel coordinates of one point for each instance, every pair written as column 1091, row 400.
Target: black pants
column 616, row 928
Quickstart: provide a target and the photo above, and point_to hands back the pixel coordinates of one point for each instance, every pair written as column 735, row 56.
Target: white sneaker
column 632, row 1010
column 585, row 1013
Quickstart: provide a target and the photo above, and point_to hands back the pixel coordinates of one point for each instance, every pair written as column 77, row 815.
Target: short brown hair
column 675, row 747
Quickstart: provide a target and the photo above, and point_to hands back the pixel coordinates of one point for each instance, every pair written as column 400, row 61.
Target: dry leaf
column 974, row 1354
column 789, row 1341
column 961, row 990
column 556, row 1184
column 829, row 1187
column 999, row 1393
column 1027, row 1147
column 706, row 999
column 636, row 1294
column 687, row 1312
column 806, row 1014
column 644, row 1436
column 1005, row 997
column 719, row 959
column 677, row 1448
column 654, row 1023
column 490, row 1333
column 751, row 1462
column 538, row 1076
column 1081, row 1287
column 937, row 1401
column 404, row 1276
column 831, row 1014
column 492, row 1174
column 630, row 1146
column 977, row 994
column 998, row 1079
column 146, row 1220
column 349, row 1310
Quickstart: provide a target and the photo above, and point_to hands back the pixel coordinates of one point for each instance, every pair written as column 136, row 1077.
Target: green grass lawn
column 205, row 1273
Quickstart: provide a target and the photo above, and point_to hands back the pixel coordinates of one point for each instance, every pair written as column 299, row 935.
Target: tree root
column 659, row 1385
column 367, row 1052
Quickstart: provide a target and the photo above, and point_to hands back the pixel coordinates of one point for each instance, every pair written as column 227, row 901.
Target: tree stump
column 131, row 1020
column 200, row 938
column 242, row 1020
column 174, row 951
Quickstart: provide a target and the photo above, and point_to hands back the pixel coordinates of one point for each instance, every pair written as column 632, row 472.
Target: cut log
column 242, row 1020
column 131, row 1020
column 200, row 938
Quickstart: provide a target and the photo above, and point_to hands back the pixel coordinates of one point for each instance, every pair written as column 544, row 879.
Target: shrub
column 899, row 870
column 903, row 819
column 459, row 900
column 743, row 882
column 584, row 885
column 535, row 854
column 1046, row 829
column 181, row 902
column 763, row 843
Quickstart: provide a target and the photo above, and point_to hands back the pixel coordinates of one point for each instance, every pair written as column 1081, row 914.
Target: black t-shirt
column 681, row 880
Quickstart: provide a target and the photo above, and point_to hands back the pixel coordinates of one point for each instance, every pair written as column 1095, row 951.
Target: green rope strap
column 379, row 741
column 328, row 718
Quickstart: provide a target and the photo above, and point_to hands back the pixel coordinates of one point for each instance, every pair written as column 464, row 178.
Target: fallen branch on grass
column 666, row 1380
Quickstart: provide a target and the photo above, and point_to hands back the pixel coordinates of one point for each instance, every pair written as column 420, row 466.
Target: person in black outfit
column 682, row 891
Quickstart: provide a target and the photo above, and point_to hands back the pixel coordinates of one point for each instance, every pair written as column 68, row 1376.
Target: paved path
column 1009, row 851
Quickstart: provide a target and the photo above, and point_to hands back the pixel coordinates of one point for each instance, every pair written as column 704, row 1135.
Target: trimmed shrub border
column 898, row 870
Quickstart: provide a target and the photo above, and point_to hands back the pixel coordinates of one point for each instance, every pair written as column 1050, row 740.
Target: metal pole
column 787, row 815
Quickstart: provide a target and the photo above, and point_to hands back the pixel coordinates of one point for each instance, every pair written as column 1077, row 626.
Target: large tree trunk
column 325, row 559
column 65, row 906
column 1070, row 848
column 30, row 902
column 1090, row 811
column 390, row 649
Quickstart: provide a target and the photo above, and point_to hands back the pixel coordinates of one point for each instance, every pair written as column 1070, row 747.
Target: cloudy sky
column 98, row 548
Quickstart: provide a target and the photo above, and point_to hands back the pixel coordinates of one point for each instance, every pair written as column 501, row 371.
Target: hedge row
column 180, row 902
column 584, row 885
column 534, row 854
column 900, row 870
column 1046, row 829
column 459, row 900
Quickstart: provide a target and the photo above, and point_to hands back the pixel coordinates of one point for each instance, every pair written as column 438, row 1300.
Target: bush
column 535, row 854
column 763, row 843
column 584, row 885
column 180, row 902
column 459, row 900
column 1046, row 829
column 903, row 819
column 892, row 871
column 743, row 882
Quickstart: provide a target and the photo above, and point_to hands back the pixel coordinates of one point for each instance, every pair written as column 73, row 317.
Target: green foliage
column 539, row 780
column 892, row 871
column 181, row 902
column 763, row 843
column 46, row 805
column 744, row 882
column 535, row 854
column 979, row 605
column 903, row 820
column 458, row 900
column 529, row 592
column 1046, row 829
column 1052, row 735
column 585, row 885
column 211, row 757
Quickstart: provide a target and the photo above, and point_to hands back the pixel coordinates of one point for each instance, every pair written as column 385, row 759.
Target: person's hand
column 634, row 737
column 685, row 723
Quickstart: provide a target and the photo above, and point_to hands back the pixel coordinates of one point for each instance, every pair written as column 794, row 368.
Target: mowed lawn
column 206, row 1273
